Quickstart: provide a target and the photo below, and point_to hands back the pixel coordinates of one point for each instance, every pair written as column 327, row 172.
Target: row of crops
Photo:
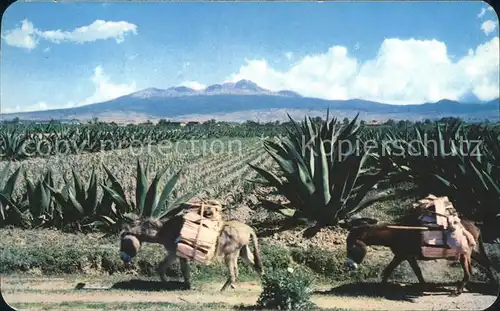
column 19, row 141
column 22, row 141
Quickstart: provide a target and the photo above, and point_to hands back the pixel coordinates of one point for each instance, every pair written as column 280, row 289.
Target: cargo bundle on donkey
column 202, row 226
column 446, row 237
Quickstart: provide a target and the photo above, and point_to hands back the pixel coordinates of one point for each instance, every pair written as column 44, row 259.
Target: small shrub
column 286, row 289
column 275, row 257
column 331, row 264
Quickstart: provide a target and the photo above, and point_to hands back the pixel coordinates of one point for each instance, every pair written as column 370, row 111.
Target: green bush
column 286, row 289
column 275, row 257
column 331, row 264
column 57, row 260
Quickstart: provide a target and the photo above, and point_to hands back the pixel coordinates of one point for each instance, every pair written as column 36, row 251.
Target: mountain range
column 245, row 100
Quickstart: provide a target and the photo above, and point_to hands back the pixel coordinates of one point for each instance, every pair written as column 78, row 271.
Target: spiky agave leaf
column 165, row 194
column 91, row 201
column 176, row 206
column 7, row 187
column 141, row 187
column 39, row 197
column 151, row 200
column 80, row 192
column 71, row 210
column 120, row 201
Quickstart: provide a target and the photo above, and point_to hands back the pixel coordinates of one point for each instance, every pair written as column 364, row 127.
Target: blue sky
column 68, row 54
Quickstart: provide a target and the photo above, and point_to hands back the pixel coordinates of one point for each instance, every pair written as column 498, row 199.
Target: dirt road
column 60, row 293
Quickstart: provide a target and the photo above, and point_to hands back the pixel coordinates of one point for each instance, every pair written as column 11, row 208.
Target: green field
column 59, row 220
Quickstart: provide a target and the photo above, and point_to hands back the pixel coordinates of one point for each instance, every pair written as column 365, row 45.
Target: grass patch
column 154, row 306
column 122, row 306
column 330, row 264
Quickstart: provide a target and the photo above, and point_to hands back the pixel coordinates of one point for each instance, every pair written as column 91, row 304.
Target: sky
column 61, row 55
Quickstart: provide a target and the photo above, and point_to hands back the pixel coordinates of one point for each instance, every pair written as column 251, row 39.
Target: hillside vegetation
column 295, row 183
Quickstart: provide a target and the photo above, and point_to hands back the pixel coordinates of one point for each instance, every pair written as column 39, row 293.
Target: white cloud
column 133, row 56
column 488, row 26
column 484, row 11
column 323, row 75
column 22, row 37
column 42, row 105
column 481, row 14
column 38, row 106
column 289, row 55
column 27, row 36
column 195, row 85
column 98, row 30
column 481, row 70
column 403, row 72
column 105, row 89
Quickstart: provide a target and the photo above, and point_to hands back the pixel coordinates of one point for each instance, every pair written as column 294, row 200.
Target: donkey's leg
column 416, row 269
column 465, row 262
column 235, row 269
column 186, row 272
column 169, row 260
column 230, row 266
column 392, row 265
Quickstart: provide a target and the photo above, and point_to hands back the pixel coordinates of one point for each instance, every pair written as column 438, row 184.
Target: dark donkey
column 406, row 245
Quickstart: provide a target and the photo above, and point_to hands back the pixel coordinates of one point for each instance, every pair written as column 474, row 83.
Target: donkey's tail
column 256, row 253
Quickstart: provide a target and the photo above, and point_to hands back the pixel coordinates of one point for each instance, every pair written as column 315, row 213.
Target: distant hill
column 246, row 100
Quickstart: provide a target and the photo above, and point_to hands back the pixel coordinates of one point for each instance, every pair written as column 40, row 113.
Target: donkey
column 233, row 242
column 405, row 244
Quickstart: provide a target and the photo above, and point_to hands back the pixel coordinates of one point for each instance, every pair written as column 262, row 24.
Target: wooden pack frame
column 199, row 234
column 435, row 211
column 438, row 252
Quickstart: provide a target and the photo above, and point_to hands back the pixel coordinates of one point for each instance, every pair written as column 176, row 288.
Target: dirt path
column 59, row 291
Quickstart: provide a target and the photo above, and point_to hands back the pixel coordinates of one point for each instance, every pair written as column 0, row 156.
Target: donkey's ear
column 362, row 221
column 123, row 234
column 125, row 226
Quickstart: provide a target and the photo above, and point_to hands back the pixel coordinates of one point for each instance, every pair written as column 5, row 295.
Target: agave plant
column 39, row 200
column 13, row 144
column 76, row 203
column 149, row 201
column 112, row 216
column 321, row 172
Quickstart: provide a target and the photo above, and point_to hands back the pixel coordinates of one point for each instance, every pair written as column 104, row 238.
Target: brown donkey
column 233, row 242
column 406, row 244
